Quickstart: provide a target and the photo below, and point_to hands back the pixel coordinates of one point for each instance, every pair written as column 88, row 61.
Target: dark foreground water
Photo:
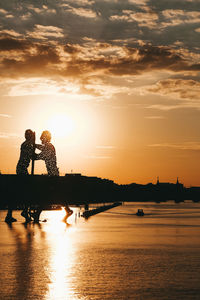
column 114, row 255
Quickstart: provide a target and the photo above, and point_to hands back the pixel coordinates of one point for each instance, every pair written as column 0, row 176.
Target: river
column 113, row 255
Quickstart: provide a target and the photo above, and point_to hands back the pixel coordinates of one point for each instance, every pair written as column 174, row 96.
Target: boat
column 140, row 212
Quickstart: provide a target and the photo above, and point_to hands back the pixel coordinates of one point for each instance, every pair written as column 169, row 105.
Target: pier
column 88, row 213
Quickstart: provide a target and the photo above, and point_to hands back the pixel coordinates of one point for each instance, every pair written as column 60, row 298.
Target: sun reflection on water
column 61, row 240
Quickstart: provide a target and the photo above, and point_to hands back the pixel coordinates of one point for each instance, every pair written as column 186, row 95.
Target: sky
column 116, row 82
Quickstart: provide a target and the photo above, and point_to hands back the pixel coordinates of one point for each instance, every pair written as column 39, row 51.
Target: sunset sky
column 116, row 82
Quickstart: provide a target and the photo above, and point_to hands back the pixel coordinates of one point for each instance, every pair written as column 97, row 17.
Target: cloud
column 165, row 107
column 3, row 11
column 149, row 58
column 155, row 117
column 40, row 86
column 41, row 10
column 195, row 146
column 10, row 44
column 175, row 17
column 45, row 32
column 26, row 16
column 177, row 88
column 87, row 63
column 96, row 157
column 80, row 11
column 72, row 49
column 148, row 19
column 6, row 135
column 138, row 2
column 52, row 87
column 23, row 58
column 78, row 2
column 10, row 32
column 106, row 147
column 5, row 116
column 9, row 16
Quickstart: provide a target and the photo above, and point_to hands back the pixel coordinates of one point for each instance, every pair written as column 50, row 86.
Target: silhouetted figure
column 27, row 149
column 26, row 154
column 48, row 154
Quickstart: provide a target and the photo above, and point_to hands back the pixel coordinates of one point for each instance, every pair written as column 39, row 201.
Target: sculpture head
column 45, row 137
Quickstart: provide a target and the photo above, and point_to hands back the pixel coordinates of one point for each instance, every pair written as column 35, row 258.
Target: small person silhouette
column 48, row 153
column 26, row 154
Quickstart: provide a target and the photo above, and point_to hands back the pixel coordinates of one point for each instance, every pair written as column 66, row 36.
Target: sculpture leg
column 68, row 211
column 26, row 215
column 36, row 215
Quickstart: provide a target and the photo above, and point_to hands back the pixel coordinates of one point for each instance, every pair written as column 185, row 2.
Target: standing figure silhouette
column 26, row 154
column 48, row 153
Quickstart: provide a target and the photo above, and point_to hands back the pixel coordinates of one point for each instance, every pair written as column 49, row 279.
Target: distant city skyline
column 116, row 83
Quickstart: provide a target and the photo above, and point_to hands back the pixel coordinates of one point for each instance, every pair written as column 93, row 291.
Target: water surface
column 113, row 255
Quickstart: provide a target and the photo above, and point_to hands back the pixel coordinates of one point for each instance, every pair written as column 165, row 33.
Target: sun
column 61, row 125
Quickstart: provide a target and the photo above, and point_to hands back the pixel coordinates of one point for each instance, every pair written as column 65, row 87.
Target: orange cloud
column 45, row 32
column 148, row 19
column 179, row 88
column 194, row 146
column 80, row 11
column 24, row 58
column 176, row 17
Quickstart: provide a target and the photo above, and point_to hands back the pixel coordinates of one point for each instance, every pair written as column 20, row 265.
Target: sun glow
column 61, row 239
column 61, row 125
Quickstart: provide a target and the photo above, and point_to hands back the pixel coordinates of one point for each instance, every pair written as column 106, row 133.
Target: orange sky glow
column 116, row 83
